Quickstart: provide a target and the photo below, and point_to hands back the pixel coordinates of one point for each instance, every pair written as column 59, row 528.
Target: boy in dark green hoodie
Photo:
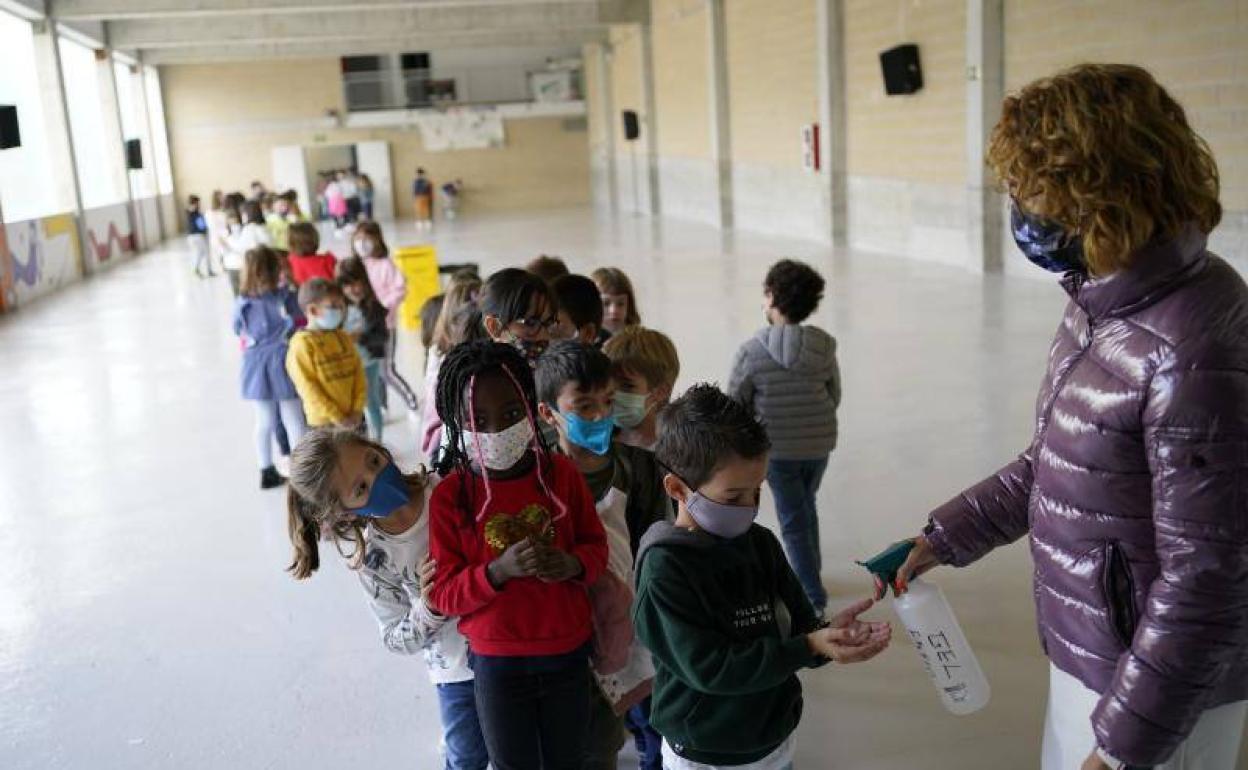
column 726, row 621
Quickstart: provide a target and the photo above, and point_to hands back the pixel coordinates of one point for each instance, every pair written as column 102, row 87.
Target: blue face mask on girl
column 389, row 493
column 1045, row 243
column 594, row 435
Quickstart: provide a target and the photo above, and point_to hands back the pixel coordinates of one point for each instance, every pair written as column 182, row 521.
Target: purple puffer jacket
column 1135, row 493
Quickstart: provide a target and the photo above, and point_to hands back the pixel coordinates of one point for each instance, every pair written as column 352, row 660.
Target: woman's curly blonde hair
column 1105, row 152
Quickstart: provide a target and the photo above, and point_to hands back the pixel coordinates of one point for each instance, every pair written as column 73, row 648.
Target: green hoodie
column 725, row 622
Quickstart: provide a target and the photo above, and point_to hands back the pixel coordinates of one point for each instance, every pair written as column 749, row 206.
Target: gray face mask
column 727, row 521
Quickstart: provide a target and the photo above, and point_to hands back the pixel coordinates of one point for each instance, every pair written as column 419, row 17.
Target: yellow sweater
column 328, row 374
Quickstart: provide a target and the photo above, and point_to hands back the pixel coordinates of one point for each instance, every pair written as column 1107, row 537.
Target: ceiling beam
column 110, row 10
column 206, row 53
column 327, row 26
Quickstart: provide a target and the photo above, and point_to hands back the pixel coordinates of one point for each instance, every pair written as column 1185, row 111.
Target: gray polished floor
column 146, row 622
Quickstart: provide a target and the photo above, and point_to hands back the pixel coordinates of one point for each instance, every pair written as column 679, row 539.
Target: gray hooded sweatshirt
column 789, row 375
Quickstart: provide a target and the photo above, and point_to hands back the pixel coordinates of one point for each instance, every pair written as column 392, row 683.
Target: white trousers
column 1068, row 739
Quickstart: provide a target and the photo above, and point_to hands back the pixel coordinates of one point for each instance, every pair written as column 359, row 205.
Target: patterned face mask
column 1045, row 243
column 500, row 451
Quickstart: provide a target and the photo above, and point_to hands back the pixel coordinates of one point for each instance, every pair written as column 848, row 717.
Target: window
column 27, row 187
column 160, row 136
column 101, row 167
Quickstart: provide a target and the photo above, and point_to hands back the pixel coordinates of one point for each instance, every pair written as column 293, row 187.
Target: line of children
column 551, row 491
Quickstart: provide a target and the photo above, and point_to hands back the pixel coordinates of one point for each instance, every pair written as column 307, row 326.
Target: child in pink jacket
column 390, row 287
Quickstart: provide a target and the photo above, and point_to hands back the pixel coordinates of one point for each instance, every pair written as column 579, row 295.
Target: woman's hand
column 556, row 566
column 1094, row 762
column 518, row 561
column 921, row 559
column 848, row 639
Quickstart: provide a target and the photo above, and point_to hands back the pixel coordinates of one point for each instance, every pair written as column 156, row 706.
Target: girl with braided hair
column 516, row 540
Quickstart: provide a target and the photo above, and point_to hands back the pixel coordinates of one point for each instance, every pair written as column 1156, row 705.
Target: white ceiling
column 186, row 31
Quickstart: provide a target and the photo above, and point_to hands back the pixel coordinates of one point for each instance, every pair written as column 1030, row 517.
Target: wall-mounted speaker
column 632, row 128
column 902, row 73
column 10, row 136
column 134, row 154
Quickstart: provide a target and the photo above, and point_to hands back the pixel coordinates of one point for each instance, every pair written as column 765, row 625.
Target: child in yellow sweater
column 323, row 362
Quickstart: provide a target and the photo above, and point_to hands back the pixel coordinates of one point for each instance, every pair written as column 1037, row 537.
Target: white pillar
column 650, row 118
column 110, row 111
column 833, row 155
column 59, row 128
column 720, row 118
column 985, row 88
column 149, row 146
column 607, row 117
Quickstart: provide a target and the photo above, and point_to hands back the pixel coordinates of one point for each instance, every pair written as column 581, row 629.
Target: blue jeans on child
column 465, row 747
column 376, row 391
column 647, row 740
column 794, row 484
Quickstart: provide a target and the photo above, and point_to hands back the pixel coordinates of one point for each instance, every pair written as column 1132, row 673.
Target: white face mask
column 499, row 451
column 630, row 409
column 365, row 247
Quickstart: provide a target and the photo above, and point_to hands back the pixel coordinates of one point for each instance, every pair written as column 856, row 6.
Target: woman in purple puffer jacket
column 1135, row 486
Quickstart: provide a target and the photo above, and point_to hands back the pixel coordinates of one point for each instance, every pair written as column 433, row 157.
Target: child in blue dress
column 265, row 315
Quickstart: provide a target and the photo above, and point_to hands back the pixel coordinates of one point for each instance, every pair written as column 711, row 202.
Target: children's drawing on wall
column 461, row 129
column 109, row 234
column 41, row 256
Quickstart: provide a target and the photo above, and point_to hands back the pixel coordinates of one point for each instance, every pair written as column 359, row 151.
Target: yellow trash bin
column 419, row 265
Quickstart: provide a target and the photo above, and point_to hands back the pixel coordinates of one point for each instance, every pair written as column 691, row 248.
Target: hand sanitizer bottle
column 935, row 634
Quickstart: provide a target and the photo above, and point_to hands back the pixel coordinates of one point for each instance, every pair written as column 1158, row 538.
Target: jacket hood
column 665, row 533
column 798, row 348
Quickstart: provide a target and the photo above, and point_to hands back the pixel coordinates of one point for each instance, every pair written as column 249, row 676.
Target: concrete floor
column 146, row 622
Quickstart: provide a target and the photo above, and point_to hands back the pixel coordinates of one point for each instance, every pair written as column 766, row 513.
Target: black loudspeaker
column 902, row 74
column 134, row 154
column 10, row 136
column 632, row 129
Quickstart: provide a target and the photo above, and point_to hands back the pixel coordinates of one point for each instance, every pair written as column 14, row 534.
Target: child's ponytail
column 304, row 534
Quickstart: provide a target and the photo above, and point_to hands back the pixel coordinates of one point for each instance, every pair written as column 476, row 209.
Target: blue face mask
column 726, row 521
column 329, row 319
column 1045, row 243
column 389, row 493
column 594, row 435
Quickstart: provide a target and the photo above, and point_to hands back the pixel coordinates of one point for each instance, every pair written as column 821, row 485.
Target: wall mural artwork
column 109, row 235
column 39, row 256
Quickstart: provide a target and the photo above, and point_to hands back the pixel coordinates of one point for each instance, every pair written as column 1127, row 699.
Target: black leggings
column 534, row 712
column 390, row 373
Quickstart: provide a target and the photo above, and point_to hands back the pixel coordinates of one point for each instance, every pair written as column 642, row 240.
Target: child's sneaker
column 271, row 479
column 282, row 463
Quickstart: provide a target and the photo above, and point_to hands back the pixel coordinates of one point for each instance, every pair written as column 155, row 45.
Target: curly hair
column 795, row 289
column 1104, row 151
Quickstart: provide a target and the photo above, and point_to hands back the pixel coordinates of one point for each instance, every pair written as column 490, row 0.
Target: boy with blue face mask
column 725, row 619
column 323, row 361
column 575, row 394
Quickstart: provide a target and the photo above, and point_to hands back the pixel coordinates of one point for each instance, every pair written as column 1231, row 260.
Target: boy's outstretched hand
column 848, row 639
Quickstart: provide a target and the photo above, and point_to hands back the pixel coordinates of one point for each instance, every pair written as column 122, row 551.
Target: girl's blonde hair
column 461, row 298
column 612, row 280
column 262, row 271
column 313, row 509
column 1107, row 153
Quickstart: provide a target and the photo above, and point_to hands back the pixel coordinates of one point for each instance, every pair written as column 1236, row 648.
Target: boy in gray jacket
column 788, row 374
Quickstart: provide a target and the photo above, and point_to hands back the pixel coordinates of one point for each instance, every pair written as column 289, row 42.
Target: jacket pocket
column 1119, row 589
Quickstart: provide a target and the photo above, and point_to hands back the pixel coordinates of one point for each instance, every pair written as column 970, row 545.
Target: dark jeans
column 534, row 711
column 605, row 736
column 647, row 740
column 794, row 484
column 465, row 746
